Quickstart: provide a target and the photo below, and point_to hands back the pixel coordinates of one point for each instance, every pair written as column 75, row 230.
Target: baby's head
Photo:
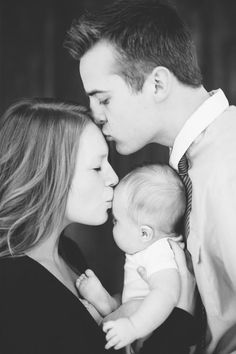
column 148, row 204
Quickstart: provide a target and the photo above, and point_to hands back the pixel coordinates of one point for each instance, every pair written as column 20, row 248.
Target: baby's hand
column 119, row 333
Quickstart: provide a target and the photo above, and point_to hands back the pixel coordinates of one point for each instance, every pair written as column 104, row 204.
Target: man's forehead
column 101, row 85
column 101, row 50
column 96, row 62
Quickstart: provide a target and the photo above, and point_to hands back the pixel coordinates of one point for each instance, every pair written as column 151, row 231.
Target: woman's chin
column 99, row 220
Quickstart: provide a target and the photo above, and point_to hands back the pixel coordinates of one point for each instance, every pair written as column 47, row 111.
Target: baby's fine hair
column 156, row 196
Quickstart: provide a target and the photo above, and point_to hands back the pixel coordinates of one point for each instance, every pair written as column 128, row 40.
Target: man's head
column 127, row 53
column 148, row 204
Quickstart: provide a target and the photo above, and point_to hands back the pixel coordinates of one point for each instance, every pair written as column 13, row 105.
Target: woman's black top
column 39, row 315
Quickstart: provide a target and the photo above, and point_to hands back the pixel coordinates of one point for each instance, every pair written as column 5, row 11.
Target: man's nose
column 98, row 116
column 99, row 119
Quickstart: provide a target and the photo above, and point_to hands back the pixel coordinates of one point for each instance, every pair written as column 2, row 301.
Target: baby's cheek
column 116, row 233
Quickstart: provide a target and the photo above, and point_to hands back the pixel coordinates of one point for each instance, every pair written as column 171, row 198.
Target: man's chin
column 123, row 149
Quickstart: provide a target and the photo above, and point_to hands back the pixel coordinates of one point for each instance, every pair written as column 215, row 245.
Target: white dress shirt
column 209, row 138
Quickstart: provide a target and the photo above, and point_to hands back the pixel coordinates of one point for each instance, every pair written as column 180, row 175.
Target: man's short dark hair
column 145, row 34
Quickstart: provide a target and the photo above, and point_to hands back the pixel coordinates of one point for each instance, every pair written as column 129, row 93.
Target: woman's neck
column 46, row 253
column 47, row 249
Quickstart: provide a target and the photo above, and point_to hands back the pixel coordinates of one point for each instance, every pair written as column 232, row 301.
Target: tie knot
column 183, row 165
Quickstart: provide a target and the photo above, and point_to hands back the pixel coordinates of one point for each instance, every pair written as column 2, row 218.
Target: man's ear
column 161, row 81
column 146, row 233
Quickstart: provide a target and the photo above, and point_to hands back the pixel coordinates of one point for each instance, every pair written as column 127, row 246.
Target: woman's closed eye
column 97, row 168
column 104, row 102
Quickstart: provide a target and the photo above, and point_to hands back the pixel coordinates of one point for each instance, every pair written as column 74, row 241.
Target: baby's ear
column 146, row 233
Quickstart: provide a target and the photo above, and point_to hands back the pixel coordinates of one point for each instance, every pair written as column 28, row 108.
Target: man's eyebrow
column 95, row 92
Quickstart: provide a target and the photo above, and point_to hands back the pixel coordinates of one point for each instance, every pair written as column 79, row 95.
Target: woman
column 53, row 171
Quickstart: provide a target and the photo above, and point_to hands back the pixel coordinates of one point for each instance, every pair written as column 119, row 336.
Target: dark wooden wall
column 33, row 62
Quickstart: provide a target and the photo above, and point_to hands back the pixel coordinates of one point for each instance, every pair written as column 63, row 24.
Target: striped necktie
column 183, row 167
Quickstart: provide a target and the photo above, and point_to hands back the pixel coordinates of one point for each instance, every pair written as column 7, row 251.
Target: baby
column 148, row 206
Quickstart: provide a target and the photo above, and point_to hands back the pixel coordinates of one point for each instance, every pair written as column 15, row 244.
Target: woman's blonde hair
column 39, row 139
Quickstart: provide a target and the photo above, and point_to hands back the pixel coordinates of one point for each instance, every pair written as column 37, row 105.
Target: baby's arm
column 125, row 310
column 152, row 312
column 92, row 290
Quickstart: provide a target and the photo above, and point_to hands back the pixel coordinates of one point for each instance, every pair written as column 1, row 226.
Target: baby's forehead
column 120, row 198
column 121, row 191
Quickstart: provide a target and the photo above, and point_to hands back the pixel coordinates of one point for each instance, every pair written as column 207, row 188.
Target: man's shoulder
column 227, row 118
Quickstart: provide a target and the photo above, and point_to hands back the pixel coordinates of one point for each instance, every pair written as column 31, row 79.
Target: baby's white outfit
column 158, row 256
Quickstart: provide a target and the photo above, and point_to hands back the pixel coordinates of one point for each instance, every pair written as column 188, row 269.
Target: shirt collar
column 215, row 105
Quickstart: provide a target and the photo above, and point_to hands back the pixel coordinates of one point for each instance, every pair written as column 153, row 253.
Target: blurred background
column 33, row 62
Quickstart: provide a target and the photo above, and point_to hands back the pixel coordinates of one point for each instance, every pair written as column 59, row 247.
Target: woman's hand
column 188, row 292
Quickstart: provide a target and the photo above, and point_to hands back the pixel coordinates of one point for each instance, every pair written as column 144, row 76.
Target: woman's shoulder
column 17, row 276
column 12, row 265
column 23, row 267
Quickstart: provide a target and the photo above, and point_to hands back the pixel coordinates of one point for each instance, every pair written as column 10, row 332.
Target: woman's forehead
column 92, row 142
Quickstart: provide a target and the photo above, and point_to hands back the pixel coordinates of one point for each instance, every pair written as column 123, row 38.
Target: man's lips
column 109, row 138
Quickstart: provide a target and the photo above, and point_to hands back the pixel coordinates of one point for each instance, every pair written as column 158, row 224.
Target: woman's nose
column 112, row 179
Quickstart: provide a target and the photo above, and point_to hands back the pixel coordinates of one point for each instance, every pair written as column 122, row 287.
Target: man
column 139, row 69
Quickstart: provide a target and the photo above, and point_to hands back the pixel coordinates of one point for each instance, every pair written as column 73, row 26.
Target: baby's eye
column 114, row 221
column 97, row 168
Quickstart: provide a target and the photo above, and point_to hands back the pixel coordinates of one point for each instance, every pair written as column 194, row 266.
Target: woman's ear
column 162, row 81
column 146, row 233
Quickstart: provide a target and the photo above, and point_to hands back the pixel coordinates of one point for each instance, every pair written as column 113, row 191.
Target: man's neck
column 181, row 104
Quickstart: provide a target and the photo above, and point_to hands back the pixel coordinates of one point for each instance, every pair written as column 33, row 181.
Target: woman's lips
column 109, row 203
